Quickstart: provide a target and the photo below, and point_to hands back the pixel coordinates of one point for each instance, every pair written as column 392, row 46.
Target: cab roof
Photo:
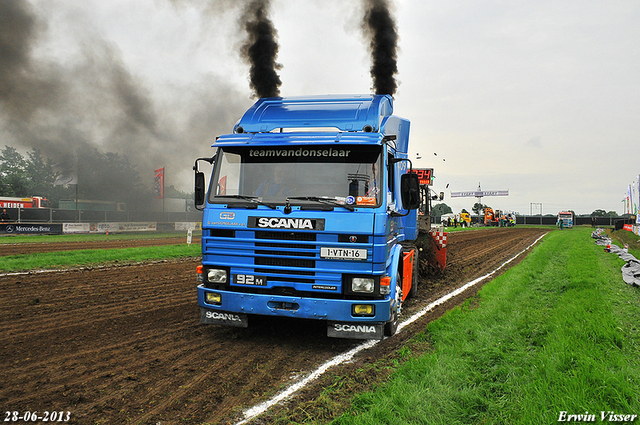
column 354, row 119
column 346, row 113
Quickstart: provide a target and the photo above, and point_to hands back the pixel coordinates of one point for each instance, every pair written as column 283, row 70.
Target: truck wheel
column 391, row 326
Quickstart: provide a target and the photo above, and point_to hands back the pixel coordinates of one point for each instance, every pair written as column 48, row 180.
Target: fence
column 50, row 215
column 549, row 220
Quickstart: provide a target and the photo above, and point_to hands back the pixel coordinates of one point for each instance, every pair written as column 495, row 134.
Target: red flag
column 158, row 184
column 222, row 184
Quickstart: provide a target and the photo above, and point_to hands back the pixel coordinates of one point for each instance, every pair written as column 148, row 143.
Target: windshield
column 348, row 175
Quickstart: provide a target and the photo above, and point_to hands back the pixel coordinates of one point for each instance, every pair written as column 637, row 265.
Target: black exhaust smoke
column 261, row 49
column 22, row 89
column 380, row 28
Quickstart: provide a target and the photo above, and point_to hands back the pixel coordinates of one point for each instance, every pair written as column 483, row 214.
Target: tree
column 101, row 176
column 40, row 174
column 598, row 213
column 171, row 192
column 477, row 208
column 440, row 209
column 13, row 175
column 108, row 176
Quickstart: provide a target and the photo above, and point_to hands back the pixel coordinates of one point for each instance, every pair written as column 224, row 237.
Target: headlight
column 363, row 310
column 364, row 285
column 212, row 298
column 217, row 276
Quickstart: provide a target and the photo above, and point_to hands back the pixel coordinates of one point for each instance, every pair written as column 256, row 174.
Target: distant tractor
column 490, row 218
column 499, row 218
column 465, row 219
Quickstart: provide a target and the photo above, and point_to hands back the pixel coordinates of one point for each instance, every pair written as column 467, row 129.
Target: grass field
column 96, row 257
column 558, row 333
column 555, row 336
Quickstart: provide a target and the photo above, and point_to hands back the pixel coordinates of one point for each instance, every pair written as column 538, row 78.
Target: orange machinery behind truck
column 499, row 218
column 30, row 202
column 490, row 217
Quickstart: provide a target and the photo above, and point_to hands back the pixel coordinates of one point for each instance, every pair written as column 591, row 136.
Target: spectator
column 4, row 217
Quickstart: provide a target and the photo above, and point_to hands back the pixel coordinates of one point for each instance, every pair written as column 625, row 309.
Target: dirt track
column 35, row 247
column 123, row 345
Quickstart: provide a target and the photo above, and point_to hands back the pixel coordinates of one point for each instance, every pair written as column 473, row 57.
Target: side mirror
column 199, row 192
column 200, row 186
column 441, row 197
column 410, row 190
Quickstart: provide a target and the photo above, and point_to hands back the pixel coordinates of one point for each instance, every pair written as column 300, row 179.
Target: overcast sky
column 541, row 98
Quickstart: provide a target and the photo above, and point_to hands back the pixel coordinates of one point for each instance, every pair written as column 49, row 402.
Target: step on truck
column 311, row 212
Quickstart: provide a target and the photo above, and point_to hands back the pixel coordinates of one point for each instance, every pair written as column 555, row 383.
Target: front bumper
column 338, row 310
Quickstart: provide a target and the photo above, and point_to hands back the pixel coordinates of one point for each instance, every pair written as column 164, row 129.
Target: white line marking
column 259, row 409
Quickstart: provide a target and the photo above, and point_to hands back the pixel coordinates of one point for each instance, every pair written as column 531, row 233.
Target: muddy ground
column 123, row 345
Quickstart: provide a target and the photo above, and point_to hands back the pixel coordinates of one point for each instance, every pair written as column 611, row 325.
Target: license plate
column 248, row 279
column 343, row 253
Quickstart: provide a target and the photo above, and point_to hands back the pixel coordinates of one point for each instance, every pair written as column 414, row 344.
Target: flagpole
column 164, row 176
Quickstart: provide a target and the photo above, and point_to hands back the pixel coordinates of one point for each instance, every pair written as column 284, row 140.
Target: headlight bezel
column 361, row 285
column 216, row 275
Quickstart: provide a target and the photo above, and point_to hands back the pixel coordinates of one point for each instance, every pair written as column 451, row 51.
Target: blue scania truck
column 311, row 212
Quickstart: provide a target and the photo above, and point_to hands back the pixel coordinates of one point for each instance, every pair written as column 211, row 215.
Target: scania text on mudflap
column 312, row 212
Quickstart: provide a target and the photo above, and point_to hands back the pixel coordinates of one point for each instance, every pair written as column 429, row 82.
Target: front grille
column 284, row 262
column 286, row 236
column 279, row 254
column 295, row 278
column 285, row 258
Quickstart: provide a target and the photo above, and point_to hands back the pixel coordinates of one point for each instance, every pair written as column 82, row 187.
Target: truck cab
column 310, row 213
column 567, row 218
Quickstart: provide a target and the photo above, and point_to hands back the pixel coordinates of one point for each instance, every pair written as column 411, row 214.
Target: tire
column 391, row 326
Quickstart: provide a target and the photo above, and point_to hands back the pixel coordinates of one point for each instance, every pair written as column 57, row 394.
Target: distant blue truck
column 311, row 212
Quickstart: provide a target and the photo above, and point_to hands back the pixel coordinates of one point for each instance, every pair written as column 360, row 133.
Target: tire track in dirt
column 124, row 345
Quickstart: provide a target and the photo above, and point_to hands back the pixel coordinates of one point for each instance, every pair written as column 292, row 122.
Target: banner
column 186, row 225
column 480, row 193
column 158, row 183
column 16, row 229
column 75, row 227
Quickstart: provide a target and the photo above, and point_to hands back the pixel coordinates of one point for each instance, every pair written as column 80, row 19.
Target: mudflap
column 224, row 318
column 354, row 330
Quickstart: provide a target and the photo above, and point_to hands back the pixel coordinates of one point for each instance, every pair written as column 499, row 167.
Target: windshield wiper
column 252, row 199
column 327, row 201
